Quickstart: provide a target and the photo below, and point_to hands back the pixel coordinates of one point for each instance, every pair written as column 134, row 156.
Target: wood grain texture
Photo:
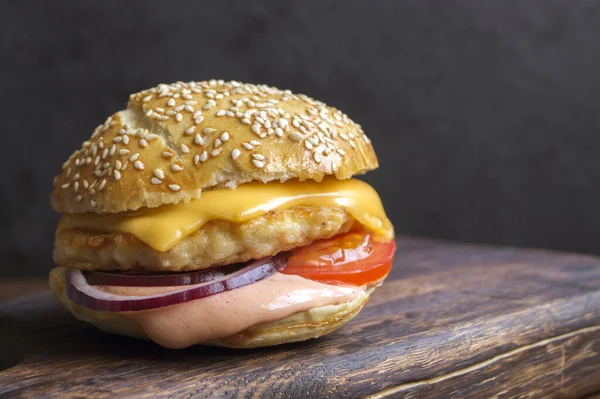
column 452, row 320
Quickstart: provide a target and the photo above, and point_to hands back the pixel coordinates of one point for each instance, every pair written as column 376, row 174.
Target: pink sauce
column 225, row 314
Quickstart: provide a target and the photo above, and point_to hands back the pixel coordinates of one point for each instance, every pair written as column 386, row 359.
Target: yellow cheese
column 164, row 227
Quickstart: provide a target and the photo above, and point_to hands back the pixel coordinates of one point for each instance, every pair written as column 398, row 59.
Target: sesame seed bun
column 300, row 326
column 173, row 141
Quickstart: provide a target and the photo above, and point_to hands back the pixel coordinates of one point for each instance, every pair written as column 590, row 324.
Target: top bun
column 173, row 141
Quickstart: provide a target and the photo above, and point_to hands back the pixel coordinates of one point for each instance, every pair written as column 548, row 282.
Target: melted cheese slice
column 164, row 227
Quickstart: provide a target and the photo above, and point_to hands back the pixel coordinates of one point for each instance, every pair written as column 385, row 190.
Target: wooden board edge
column 588, row 338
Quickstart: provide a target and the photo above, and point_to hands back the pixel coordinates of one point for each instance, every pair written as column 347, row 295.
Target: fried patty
column 218, row 242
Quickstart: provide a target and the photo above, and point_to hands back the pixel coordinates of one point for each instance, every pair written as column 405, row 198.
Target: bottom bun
column 301, row 326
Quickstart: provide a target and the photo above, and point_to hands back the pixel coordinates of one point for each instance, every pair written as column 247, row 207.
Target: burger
column 220, row 213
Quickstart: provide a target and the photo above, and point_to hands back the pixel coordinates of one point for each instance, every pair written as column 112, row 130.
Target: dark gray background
column 485, row 114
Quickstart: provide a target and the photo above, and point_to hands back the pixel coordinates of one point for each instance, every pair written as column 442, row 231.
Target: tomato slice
column 354, row 258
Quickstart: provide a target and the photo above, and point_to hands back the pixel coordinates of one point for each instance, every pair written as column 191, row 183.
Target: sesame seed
column 258, row 163
column 203, row 156
column 208, row 130
column 254, row 142
column 260, row 157
column 117, row 175
column 118, row 164
column 79, row 198
column 256, row 128
column 159, row 110
column 151, row 136
column 176, row 168
column 216, row 152
column 159, row 173
column 147, row 98
column 196, row 159
column 313, row 140
column 93, row 203
column 278, row 132
column 170, row 112
column 197, row 114
column 101, row 185
column 76, row 186
column 198, row 139
column 174, row 187
column 230, row 114
column 224, row 136
column 221, row 112
column 113, row 149
column 138, row 165
column 167, row 154
column 218, row 142
column 308, row 145
column 155, row 181
column 178, row 117
column 352, row 144
column 184, row 148
column 317, row 157
column 295, row 136
column 171, row 102
column 105, row 153
column 134, row 157
column 246, row 121
column 235, row 153
column 198, row 120
column 179, row 108
column 191, row 102
column 125, row 140
column 66, row 185
column 343, row 136
column 327, row 151
column 143, row 143
column 189, row 108
column 248, row 146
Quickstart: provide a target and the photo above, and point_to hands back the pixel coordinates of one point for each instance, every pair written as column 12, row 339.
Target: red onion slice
column 82, row 293
column 122, row 279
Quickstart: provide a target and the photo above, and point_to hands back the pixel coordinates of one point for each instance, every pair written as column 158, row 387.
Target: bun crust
column 173, row 141
column 299, row 326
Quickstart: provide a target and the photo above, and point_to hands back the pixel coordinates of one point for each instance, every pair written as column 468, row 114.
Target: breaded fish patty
column 218, row 242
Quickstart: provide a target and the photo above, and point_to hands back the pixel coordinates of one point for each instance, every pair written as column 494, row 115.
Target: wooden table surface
column 452, row 320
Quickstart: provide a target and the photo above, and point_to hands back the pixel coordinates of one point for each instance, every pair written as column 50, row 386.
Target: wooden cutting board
column 452, row 320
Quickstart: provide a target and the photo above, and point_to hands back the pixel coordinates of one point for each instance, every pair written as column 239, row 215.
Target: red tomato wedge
column 352, row 258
